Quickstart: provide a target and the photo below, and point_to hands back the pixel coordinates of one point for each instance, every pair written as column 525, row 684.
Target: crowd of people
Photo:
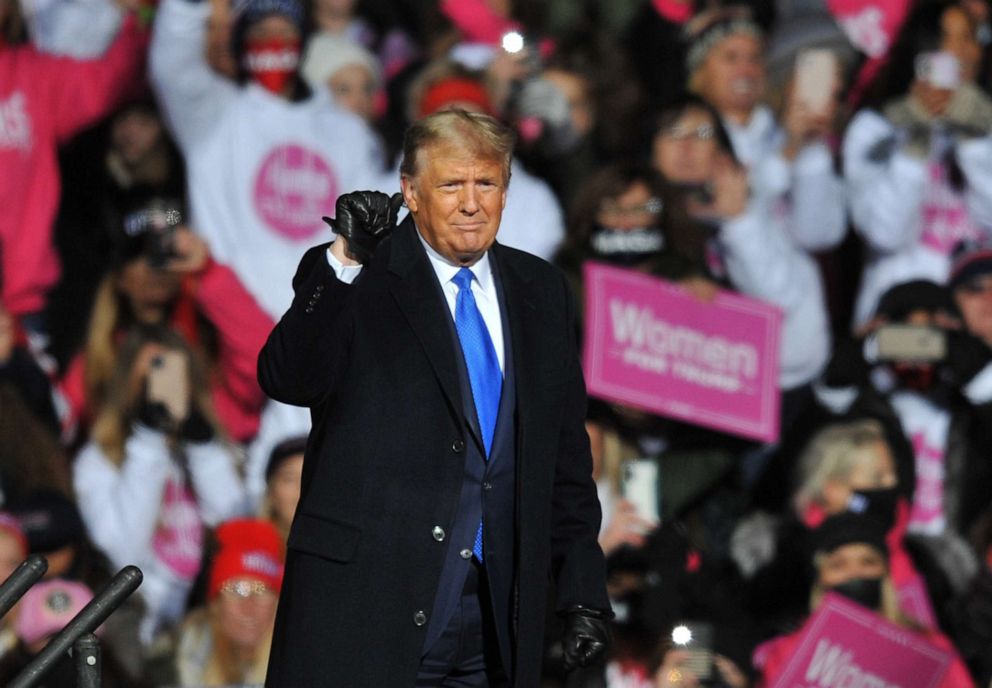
column 164, row 164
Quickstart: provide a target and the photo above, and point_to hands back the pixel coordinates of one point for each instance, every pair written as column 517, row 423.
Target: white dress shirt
column 483, row 288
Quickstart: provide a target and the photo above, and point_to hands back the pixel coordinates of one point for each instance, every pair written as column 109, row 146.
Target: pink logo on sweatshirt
column 178, row 539
column 15, row 125
column 928, row 502
column 946, row 221
column 294, row 188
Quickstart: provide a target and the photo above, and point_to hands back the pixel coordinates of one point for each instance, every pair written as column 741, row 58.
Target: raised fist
column 363, row 219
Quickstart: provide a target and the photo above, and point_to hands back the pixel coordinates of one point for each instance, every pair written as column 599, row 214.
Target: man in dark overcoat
column 446, row 483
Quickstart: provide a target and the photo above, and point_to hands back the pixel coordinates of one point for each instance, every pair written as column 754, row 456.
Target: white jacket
column 886, row 187
column 762, row 262
column 121, row 506
column 807, row 188
column 262, row 170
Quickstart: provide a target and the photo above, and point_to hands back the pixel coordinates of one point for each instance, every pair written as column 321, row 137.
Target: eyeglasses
column 245, row 589
column 652, row 206
column 703, row 132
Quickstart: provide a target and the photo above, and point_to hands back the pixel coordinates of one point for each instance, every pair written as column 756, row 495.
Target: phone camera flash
column 681, row 635
column 513, row 42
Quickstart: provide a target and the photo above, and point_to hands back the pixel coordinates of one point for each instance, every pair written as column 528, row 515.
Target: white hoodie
column 262, row 170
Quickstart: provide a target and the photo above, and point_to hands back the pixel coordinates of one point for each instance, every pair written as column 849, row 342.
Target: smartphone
column 911, row 343
column 695, row 638
column 168, row 383
column 816, row 78
column 639, row 486
column 940, row 69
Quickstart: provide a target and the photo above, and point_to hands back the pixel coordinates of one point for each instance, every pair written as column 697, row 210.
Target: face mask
column 272, row 63
column 915, row 377
column 865, row 591
column 880, row 504
column 626, row 246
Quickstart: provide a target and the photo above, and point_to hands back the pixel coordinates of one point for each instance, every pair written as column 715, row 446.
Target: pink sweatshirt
column 44, row 100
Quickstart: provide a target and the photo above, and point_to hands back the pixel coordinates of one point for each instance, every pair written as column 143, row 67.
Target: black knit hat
column 848, row 528
column 50, row 521
column 250, row 11
column 902, row 299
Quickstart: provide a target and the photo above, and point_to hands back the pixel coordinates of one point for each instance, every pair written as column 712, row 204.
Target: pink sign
column 294, row 188
column 844, row 644
column 651, row 345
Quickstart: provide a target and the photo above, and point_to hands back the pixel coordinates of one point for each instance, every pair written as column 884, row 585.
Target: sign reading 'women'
column 651, row 345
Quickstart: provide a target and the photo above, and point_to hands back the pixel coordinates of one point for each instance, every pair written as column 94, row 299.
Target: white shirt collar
column 446, row 270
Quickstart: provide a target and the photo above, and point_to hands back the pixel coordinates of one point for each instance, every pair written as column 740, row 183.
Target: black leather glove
column 967, row 355
column 848, row 366
column 196, row 428
column 585, row 638
column 364, row 218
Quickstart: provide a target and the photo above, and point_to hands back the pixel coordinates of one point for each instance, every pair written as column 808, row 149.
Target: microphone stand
column 84, row 623
column 17, row 583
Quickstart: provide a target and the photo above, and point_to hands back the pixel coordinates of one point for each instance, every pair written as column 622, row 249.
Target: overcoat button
column 465, row 554
column 457, row 446
column 420, row 618
column 438, row 533
column 487, row 486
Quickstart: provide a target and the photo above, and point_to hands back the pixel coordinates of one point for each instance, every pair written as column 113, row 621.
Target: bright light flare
column 681, row 635
column 513, row 42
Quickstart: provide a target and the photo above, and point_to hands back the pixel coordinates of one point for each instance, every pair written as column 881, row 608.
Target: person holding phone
column 745, row 244
column 157, row 471
column 163, row 275
column 788, row 162
column 916, row 156
column 916, row 369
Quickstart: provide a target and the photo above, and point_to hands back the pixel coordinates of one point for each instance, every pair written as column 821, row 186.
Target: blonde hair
column 480, row 134
column 100, row 353
column 833, row 454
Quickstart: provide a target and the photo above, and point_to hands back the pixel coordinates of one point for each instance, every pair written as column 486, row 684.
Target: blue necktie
column 483, row 368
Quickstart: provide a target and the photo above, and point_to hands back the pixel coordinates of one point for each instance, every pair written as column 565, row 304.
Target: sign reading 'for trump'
column 651, row 345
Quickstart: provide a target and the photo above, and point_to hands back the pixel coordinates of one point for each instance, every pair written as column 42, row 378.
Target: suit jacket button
column 419, row 619
column 457, row 446
column 487, row 486
column 438, row 533
column 465, row 554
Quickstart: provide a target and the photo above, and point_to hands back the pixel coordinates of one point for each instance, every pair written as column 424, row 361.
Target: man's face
column 456, row 199
column 733, row 75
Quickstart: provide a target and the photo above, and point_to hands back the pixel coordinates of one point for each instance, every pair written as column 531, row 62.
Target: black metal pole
column 23, row 577
column 86, row 651
column 92, row 615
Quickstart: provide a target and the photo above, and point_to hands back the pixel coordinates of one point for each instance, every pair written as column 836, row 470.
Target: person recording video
column 915, row 368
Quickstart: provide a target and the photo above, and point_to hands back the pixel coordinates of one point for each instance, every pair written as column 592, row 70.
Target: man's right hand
column 363, row 219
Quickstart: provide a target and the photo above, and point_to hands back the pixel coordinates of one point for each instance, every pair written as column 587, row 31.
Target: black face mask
column 626, row 246
column 880, row 504
column 865, row 591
